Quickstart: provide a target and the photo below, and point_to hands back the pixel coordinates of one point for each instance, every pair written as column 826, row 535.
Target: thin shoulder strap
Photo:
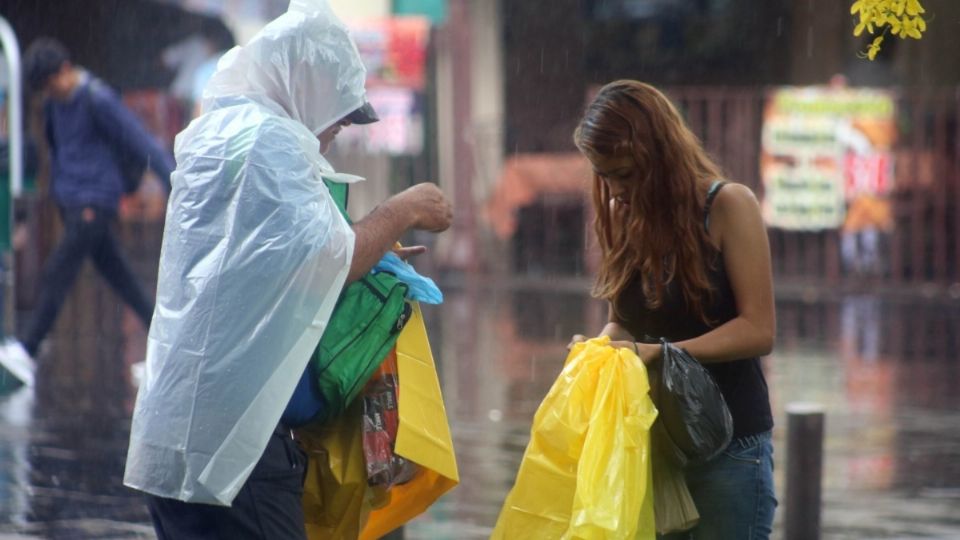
column 711, row 195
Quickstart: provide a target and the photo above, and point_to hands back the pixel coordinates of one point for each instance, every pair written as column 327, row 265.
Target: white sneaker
column 15, row 361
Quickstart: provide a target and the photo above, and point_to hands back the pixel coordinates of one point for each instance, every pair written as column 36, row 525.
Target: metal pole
column 11, row 51
column 804, row 471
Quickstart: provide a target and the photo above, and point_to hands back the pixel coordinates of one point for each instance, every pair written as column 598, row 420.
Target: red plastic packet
column 380, row 421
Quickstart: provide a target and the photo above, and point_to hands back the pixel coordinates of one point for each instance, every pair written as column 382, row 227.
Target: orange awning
column 527, row 176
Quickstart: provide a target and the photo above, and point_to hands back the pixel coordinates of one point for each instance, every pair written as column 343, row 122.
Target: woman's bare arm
column 738, row 228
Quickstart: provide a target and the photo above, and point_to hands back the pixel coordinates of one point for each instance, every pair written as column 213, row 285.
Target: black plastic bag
column 694, row 423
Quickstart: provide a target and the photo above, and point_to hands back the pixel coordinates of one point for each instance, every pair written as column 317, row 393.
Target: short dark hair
column 43, row 59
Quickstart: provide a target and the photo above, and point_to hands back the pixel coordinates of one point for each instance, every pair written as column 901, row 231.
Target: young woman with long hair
column 685, row 256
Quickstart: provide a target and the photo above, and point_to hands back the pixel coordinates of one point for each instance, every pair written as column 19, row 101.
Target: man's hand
column 428, row 208
column 421, row 207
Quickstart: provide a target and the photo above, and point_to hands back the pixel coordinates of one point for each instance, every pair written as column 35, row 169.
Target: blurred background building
column 482, row 96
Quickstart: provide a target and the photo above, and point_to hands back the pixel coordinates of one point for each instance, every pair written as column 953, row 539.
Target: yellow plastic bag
column 586, row 471
column 338, row 504
column 423, row 436
column 335, row 489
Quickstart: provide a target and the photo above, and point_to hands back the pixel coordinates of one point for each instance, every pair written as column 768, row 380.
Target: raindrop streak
column 809, row 42
column 779, row 26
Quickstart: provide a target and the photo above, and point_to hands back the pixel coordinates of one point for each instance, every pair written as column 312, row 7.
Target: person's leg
column 59, row 273
column 268, row 506
column 734, row 492
column 870, row 240
column 848, row 251
column 113, row 266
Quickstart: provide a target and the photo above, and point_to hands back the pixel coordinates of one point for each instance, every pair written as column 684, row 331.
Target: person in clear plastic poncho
column 254, row 256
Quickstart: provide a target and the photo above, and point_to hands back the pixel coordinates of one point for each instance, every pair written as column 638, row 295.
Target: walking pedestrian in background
column 98, row 150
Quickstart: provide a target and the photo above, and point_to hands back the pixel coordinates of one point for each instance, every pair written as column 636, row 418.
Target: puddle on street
column 887, row 374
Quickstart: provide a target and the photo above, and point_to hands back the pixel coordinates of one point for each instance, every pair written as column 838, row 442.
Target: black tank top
column 741, row 381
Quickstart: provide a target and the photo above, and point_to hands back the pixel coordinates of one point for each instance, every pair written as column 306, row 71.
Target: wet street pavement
column 887, row 372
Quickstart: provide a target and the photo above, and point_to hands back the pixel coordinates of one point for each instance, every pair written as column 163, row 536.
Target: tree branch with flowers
column 898, row 17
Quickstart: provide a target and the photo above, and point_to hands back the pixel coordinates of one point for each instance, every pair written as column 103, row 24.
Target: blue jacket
column 98, row 148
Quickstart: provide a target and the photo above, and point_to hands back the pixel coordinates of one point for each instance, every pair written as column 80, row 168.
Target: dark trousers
column 87, row 232
column 268, row 506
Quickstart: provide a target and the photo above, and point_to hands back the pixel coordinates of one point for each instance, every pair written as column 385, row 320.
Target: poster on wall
column 826, row 155
column 394, row 50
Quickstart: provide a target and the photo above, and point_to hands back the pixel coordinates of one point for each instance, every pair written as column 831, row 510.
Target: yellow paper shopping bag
column 338, row 503
column 423, row 435
column 586, row 471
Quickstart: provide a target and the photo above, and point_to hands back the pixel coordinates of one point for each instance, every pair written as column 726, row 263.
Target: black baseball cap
column 43, row 59
column 364, row 115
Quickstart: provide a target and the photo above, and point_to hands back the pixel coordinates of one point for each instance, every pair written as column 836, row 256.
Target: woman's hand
column 648, row 352
column 577, row 338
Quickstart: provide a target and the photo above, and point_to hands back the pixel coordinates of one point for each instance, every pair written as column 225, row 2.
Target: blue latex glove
column 421, row 289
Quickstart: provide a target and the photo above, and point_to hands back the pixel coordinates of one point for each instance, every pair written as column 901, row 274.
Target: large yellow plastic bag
column 586, row 471
column 338, row 504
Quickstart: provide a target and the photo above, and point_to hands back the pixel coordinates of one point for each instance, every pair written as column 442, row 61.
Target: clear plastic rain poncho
column 254, row 256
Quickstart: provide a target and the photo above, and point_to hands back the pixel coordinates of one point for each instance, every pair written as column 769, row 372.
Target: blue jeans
column 86, row 233
column 734, row 493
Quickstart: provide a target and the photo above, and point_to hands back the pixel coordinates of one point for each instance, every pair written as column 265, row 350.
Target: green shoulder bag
column 363, row 327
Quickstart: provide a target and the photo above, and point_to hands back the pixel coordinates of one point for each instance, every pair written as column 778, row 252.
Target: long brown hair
column 660, row 235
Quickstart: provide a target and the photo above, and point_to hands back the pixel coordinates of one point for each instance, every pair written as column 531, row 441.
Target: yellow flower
column 859, row 29
column 894, row 24
column 874, row 47
column 910, row 29
column 898, row 17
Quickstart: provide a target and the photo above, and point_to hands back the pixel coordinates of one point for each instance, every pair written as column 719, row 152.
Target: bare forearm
column 734, row 340
column 616, row 332
column 421, row 207
column 376, row 234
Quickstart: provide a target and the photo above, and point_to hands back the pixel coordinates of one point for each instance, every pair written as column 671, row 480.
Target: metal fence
column 923, row 248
